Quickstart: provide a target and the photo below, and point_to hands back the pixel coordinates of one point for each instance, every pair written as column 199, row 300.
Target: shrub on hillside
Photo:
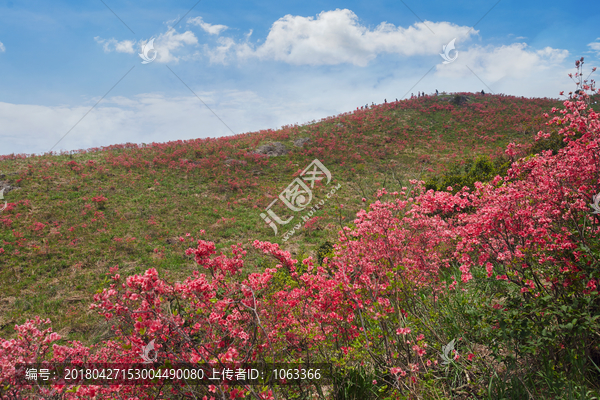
column 467, row 172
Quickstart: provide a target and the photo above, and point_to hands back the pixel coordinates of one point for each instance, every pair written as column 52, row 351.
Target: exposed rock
column 172, row 240
column 272, row 149
column 339, row 125
column 300, row 141
column 233, row 161
column 6, row 187
column 459, row 99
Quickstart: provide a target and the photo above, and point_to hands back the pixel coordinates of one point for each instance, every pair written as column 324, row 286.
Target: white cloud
column 330, row 38
column 110, row 45
column 211, row 29
column 164, row 45
column 336, row 37
column 144, row 118
column 171, row 41
column 492, row 64
column 170, row 22
column 221, row 52
column 595, row 46
column 2, row 48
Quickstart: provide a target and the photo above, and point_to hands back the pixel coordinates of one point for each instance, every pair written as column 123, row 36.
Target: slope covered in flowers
column 519, row 252
column 72, row 216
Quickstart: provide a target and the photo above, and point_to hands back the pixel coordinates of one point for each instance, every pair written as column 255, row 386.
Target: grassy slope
column 58, row 243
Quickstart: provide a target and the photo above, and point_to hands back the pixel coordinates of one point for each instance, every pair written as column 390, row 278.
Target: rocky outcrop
column 459, row 99
column 301, row 141
column 5, row 187
column 233, row 161
column 274, row 149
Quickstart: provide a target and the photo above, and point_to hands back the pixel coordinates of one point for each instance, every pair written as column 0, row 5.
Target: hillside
column 70, row 217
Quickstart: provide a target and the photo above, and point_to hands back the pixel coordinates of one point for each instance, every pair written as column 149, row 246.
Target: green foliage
column 356, row 384
column 324, row 250
column 554, row 143
column 540, row 340
column 467, row 172
column 526, row 347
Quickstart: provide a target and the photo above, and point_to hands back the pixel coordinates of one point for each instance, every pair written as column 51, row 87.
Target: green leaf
column 73, row 390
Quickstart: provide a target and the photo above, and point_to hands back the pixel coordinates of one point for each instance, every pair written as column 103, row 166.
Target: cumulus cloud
column 110, row 45
column 208, row 28
column 595, row 46
column 221, row 52
column 337, row 37
column 492, row 63
column 169, row 42
column 330, row 38
column 2, row 48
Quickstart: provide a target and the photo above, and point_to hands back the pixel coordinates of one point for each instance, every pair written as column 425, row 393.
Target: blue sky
column 261, row 65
